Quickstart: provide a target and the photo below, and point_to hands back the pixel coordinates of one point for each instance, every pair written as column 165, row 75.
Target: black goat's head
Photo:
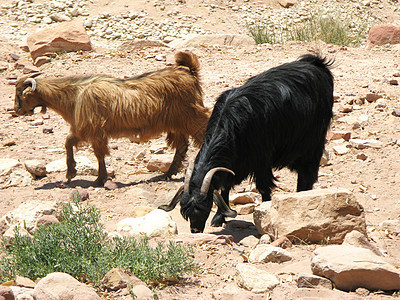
column 26, row 98
column 196, row 203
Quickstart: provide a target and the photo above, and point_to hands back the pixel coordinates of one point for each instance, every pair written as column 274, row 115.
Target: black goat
column 277, row 119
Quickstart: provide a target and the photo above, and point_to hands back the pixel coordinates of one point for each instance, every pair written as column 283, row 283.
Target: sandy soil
column 374, row 181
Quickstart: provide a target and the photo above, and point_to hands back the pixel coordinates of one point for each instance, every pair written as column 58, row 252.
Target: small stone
column 393, row 82
column 47, row 220
column 282, row 242
column 372, row 97
column 9, row 143
column 48, row 130
column 36, row 167
column 265, row 239
column 37, row 122
column 345, row 108
column 41, row 60
column 83, row 195
column 24, row 282
column 245, row 209
column 396, row 112
column 312, row 281
column 142, row 292
column 362, row 292
column 340, row 149
column 362, row 156
column 110, row 185
column 337, row 135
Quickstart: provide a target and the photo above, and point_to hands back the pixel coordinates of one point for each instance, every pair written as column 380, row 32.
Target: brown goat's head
column 26, row 96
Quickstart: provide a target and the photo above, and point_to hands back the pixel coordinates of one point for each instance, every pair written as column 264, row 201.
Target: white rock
column 350, row 267
column 357, row 239
column 155, row 223
column 19, row 178
column 312, row 281
column 35, row 167
column 340, row 149
column 361, row 144
column 254, row 279
column 7, row 165
column 160, row 162
column 315, row 215
column 27, row 213
column 84, row 166
column 245, row 198
column 268, row 253
column 63, row 286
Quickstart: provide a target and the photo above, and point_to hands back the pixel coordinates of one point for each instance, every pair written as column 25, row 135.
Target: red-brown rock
column 383, row 34
column 68, row 36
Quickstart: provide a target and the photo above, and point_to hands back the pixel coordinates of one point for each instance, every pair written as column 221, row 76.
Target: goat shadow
column 239, row 229
column 83, row 183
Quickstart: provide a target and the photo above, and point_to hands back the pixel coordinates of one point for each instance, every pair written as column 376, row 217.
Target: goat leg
column 100, row 151
column 181, row 143
column 70, row 142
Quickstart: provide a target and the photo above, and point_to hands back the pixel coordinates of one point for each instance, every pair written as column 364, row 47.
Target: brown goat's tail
column 188, row 59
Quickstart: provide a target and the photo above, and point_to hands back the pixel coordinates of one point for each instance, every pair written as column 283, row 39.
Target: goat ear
column 221, row 204
column 174, row 201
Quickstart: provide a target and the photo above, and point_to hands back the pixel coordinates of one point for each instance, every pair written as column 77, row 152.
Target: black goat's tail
column 317, row 60
column 188, row 59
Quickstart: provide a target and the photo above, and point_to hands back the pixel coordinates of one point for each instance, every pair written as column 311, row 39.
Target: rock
column 231, row 292
column 41, row 60
column 396, row 112
column 324, row 215
column 245, row 209
column 10, row 232
column 362, row 144
column 26, row 66
column 37, row 122
column 312, row 281
column 133, row 45
column 249, row 241
column 245, row 198
column 7, row 165
column 337, row 135
column 287, row 3
column 195, row 40
column 341, row 149
column 110, row 185
column 142, row 292
column 268, row 253
column 9, row 143
column 393, row 82
column 48, row 129
column 383, row 34
column 57, row 17
column 118, row 278
column 46, row 220
column 324, row 158
column 350, row 267
column 253, row 279
column 6, row 293
column 68, row 36
column 372, row 97
column 282, row 242
column 24, row 282
column 357, row 239
column 84, row 166
column 155, row 223
column 160, row 162
column 19, row 178
column 392, row 226
column 26, row 214
column 205, row 238
column 265, row 239
column 361, row 156
column 63, row 286
column 36, row 167
column 22, row 293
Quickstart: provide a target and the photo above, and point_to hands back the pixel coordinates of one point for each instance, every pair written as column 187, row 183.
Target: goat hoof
column 98, row 182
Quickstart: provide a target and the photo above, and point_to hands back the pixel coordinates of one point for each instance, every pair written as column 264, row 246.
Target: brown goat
column 102, row 107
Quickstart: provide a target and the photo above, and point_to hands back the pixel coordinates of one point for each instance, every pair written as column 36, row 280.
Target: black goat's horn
column 32, row 82
column 207, row 179
column 221, row 204
column 188, row 176
column 174, row 201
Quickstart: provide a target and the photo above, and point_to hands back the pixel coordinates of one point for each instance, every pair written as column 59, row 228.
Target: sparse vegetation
column 80, row 247
column 324, row 27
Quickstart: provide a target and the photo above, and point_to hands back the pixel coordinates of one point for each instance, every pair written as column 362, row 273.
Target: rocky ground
column 372, row 173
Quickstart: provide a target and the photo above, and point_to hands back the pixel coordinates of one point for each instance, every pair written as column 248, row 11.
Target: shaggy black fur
column 277, row 119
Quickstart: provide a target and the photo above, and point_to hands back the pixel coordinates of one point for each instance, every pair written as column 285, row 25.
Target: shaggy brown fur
column 102, row 107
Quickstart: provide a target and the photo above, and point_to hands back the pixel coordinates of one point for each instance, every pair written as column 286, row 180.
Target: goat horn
column 174, row 201
column 188, row 176
column 32, row 82
column 207, row 179
column 221, row 204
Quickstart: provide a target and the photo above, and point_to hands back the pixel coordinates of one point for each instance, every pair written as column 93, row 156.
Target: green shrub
column 79, row 246
column 319, row 26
